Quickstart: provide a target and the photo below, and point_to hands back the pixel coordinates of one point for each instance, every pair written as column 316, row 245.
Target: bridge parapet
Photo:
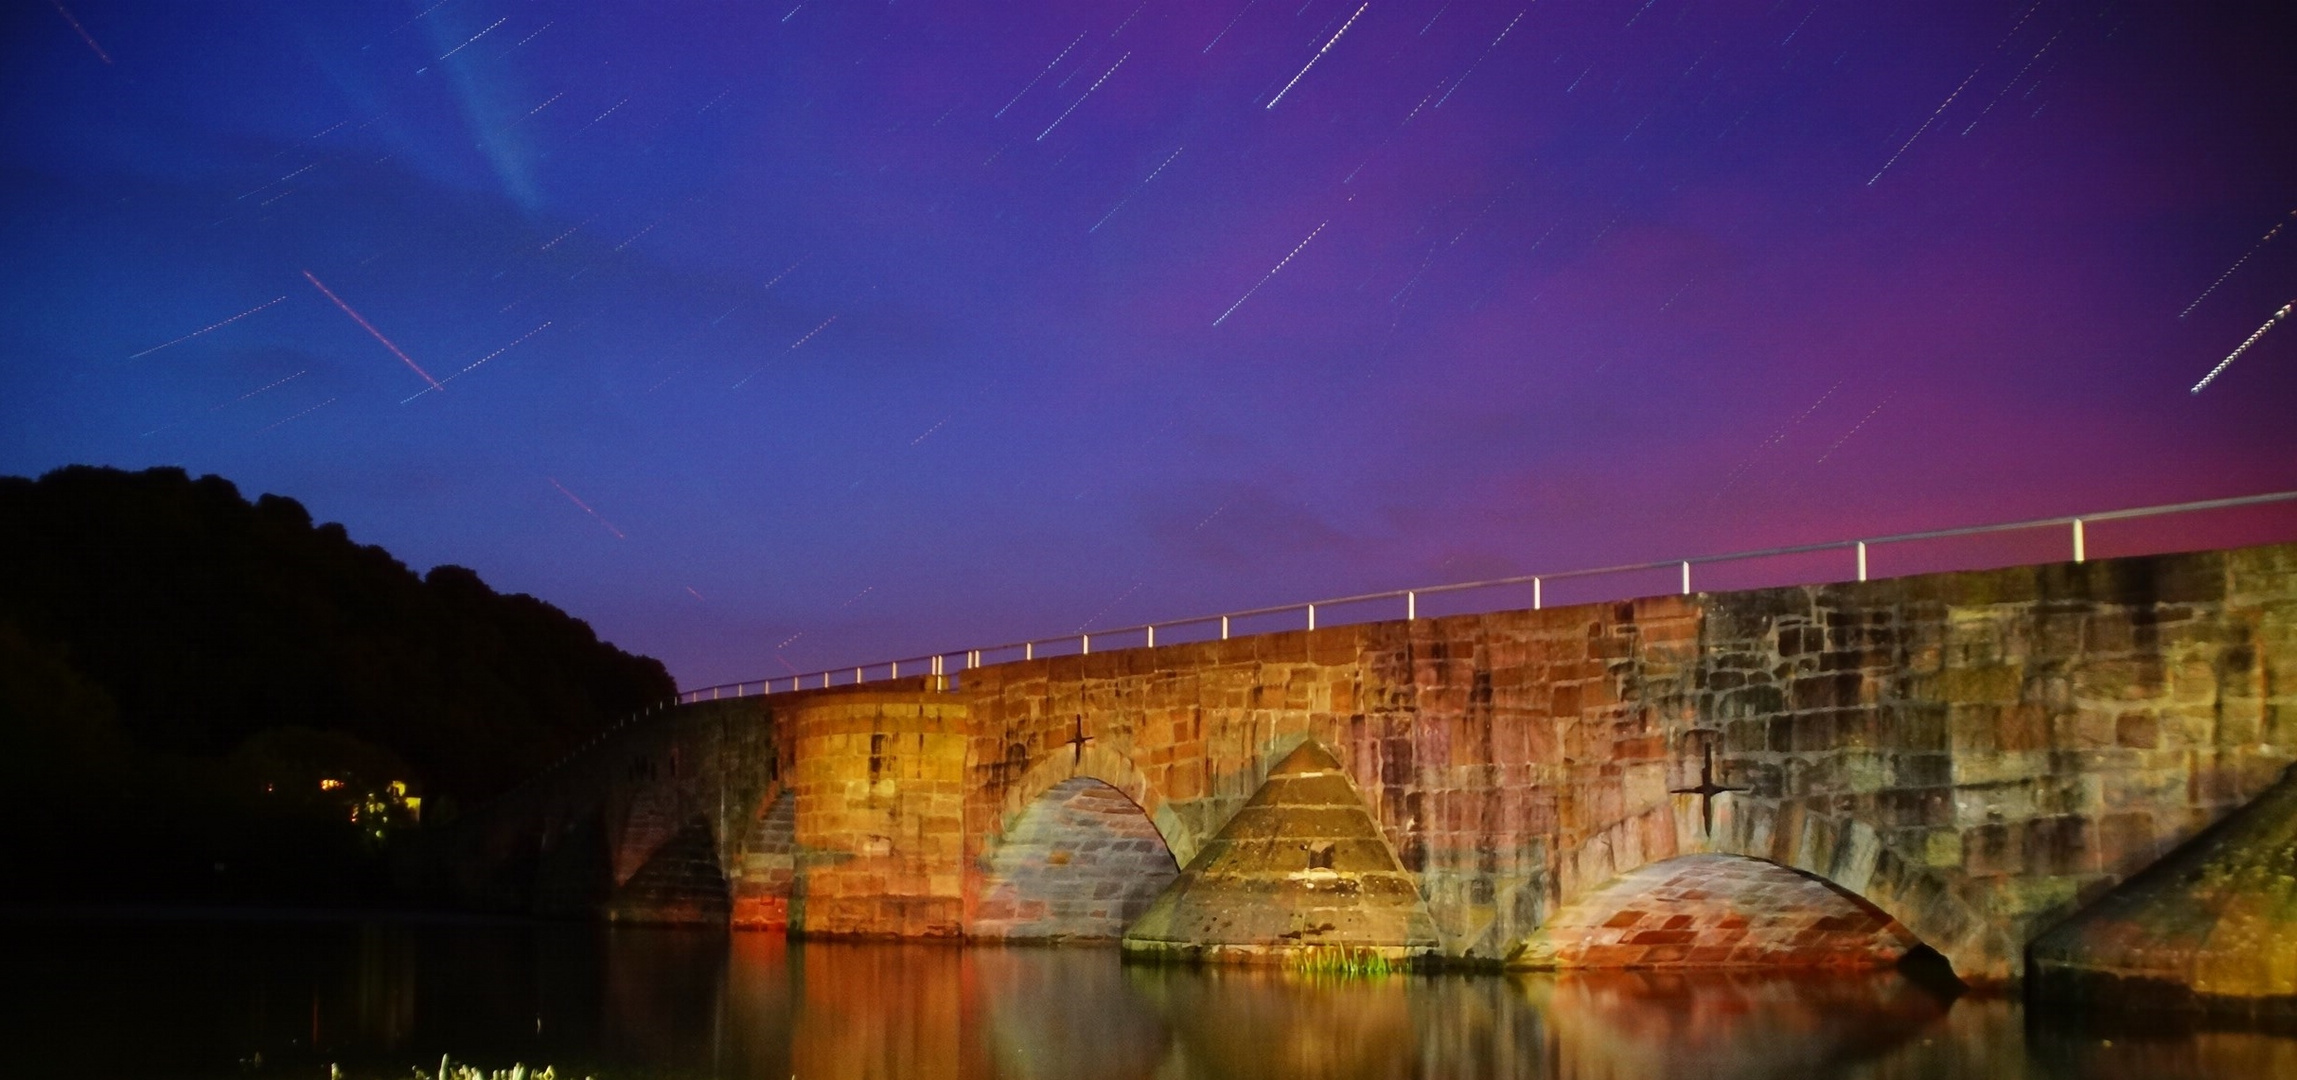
column 1847, row 560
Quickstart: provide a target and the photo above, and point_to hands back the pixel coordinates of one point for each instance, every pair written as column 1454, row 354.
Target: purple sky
column 865, row 330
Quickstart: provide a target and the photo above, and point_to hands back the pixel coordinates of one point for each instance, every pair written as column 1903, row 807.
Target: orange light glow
column 330, row 785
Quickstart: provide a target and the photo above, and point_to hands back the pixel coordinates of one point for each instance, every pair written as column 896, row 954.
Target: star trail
column 896, row 328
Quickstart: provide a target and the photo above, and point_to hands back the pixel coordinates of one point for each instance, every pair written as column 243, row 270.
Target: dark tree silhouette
column 179, row 662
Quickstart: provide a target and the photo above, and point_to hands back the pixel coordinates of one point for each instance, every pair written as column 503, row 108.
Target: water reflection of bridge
column 687, row 1003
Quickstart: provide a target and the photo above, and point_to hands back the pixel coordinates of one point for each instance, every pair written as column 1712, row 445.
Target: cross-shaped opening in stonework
column 1079, row 740
column 1707, row 788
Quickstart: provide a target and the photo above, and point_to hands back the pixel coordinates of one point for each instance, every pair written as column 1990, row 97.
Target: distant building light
column 330, row 785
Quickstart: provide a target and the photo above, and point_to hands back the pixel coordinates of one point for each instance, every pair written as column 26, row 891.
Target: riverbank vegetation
column 207, row 699
column 1340, row 962
column 451, row 1070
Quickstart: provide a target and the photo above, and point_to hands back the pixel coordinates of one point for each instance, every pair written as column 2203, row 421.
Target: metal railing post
column 1535, row 597
column 1862, row 560
column 1084, row 644
column 1152, row 635
column 1224, row 628
column 857, row 676
column 1411, row 605
column 2079, row 554
column 1311, row 616
column 1686, row 577
column 893, row 669
column 1028, row 650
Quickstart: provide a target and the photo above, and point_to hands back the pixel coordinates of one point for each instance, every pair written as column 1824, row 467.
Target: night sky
column 777, row 336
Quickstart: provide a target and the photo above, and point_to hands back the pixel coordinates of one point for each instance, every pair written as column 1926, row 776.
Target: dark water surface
column 202, row 997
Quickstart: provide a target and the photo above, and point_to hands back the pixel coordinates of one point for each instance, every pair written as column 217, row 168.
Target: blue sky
column 775, row 338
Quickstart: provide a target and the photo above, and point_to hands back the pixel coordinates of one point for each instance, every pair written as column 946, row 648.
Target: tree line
column 208, row 699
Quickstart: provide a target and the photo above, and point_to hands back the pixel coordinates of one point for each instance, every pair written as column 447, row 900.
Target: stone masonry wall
column 1977, row 754
column 1981, row 754
column 680, row 883
column 878, row 780
column 765, row 868
column 570, row 840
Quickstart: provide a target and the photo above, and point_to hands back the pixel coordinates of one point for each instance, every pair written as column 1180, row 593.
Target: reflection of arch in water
column 1078, row 862
column 1732, row 1025
column 1263, row 1021
column 1043, row 1013
column 1718, row 911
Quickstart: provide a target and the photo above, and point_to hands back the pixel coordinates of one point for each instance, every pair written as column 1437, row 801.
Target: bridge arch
column 1110, row 767
column 1850, row 854
column 1080, row 862
column 1839, row 852
column 1718, row 911
column 680, row 880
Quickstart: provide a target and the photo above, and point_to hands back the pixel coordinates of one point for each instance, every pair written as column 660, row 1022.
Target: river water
column 204, row 997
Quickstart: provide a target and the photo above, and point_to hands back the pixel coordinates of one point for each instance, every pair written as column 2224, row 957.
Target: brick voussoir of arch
column 1110, row 767
column 1850, row 855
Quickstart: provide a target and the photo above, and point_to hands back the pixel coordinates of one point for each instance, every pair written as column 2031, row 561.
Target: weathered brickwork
column 1980, row 754
column 1301, row 869
column 879, row 785
column 1717, row 911
column 1080, row 864
column 1484, row 745
column 2214, row 924
column 1951, row 747
column 569, row 842
column 680, row 882
column 1976, row 754
column 766, row 868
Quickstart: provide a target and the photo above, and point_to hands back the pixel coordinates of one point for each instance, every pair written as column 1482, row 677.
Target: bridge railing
column 1511, row 593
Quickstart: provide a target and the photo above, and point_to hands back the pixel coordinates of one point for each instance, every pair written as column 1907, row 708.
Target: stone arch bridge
column 1967, row 757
